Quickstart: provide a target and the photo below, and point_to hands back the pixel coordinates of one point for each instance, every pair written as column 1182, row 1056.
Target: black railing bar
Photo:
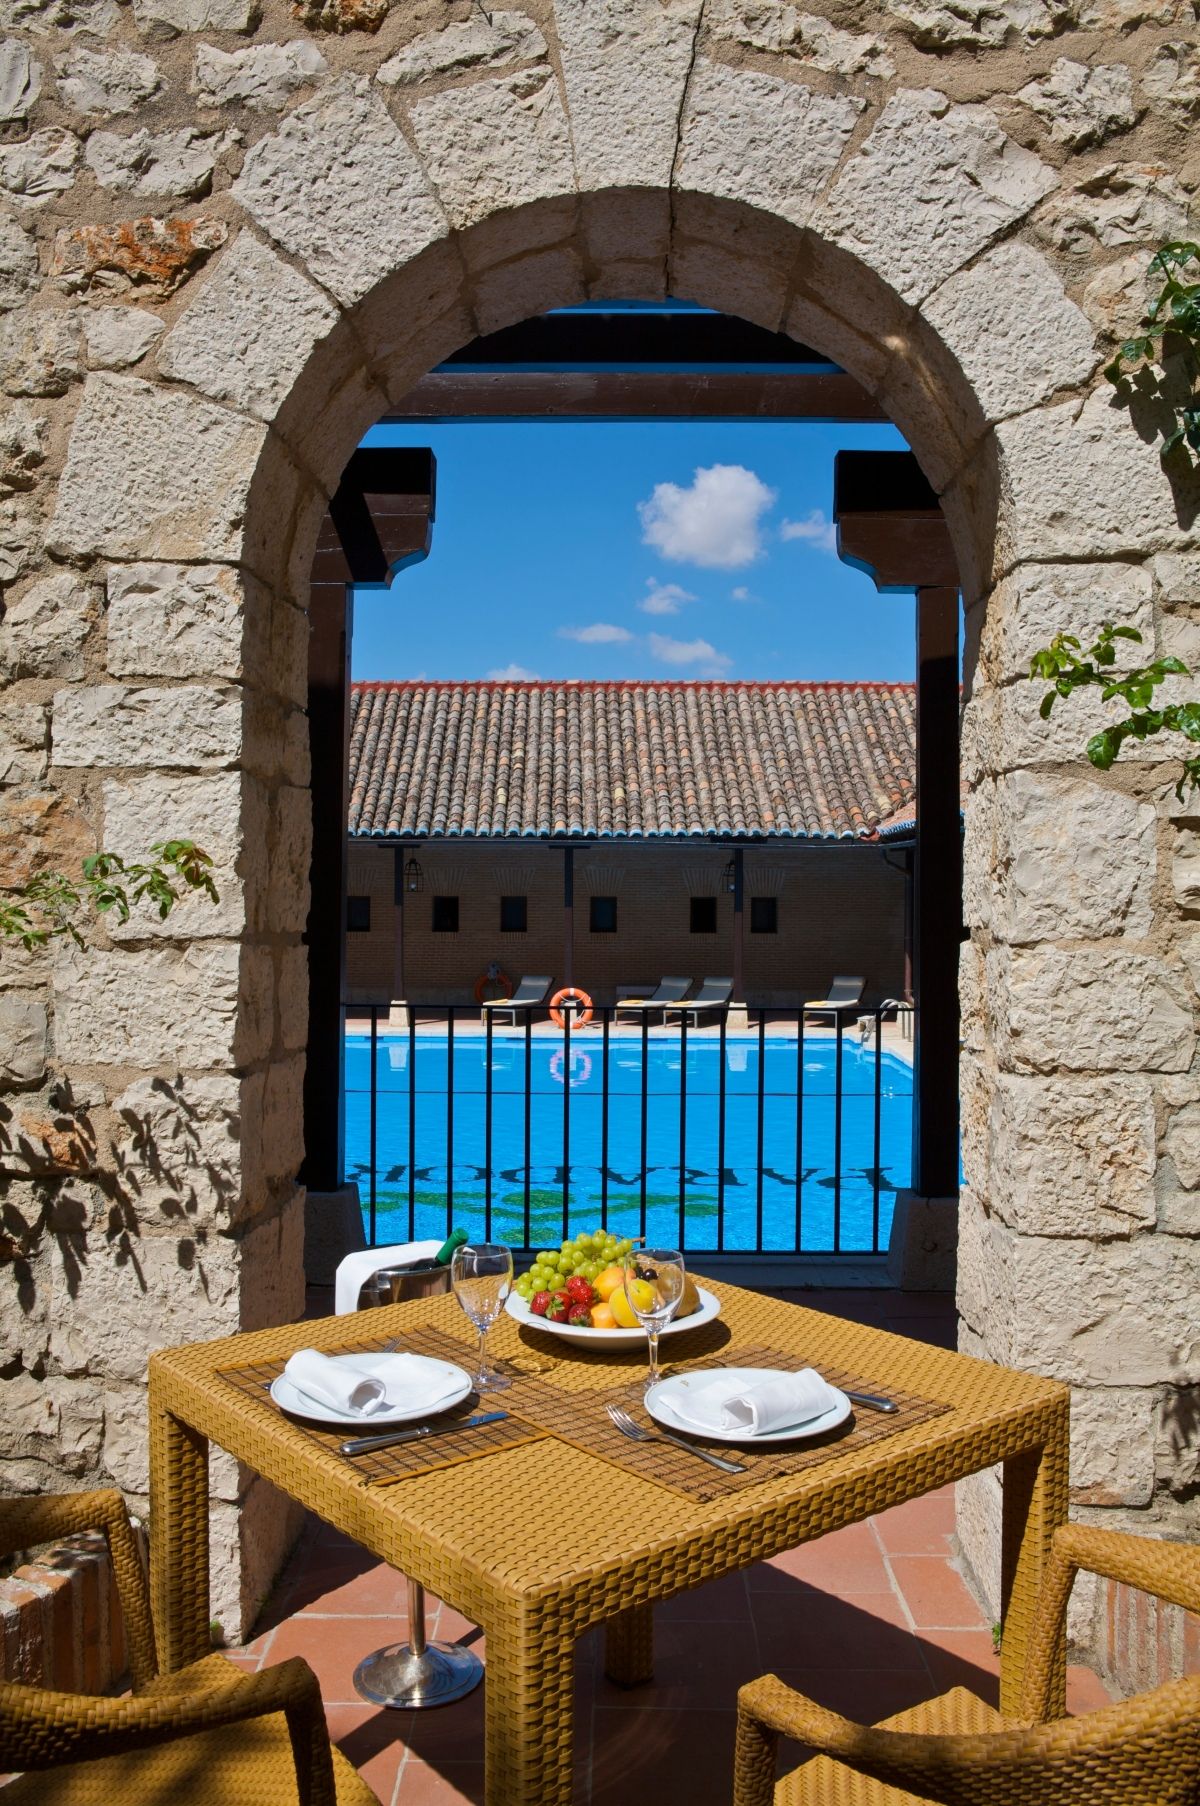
column 566, row 1153
column 528, row 1109
column 374, row 1113
column 683, row 1129
column 487, row 1125
column 449, row 1117
column 878, row 1137
column 721, row 1132
column 606, row 1022
column 645, row 1086
column 762, row 1092
column 799, row 1130
column 837, row 1135
column 412, row 1123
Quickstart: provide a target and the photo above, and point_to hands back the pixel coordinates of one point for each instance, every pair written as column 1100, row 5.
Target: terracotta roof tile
column 630, row 760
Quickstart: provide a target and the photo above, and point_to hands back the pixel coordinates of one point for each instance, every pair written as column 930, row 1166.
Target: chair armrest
column 41, row 1729
column 42, row 1517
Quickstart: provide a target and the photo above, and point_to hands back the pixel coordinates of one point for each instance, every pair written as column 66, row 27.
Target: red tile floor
column 868, row 1620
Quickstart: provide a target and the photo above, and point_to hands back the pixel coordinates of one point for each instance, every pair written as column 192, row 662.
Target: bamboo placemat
column 579, row 1417
column 405, row 1459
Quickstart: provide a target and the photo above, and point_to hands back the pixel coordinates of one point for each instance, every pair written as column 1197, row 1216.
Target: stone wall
column 232, row 234
column 838, row 909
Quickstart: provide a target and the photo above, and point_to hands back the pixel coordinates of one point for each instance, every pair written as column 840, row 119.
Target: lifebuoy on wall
column 493, row 985
column 573, row 994
column 581, row 1068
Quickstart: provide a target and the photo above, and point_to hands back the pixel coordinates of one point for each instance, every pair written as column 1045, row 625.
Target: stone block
column 273, row 1264
column 771, row 143
column 22, row 447
column 338, row 186
column 291, row 991
column 1082, row 105
column 177, row 164
column 226, row 815
column 932, row 186
column 256, row 998
column 804, row 38
column 291, row 856
column 1073, row 860
column 263, row 78
column 283, row 1118
column 531, row 285
column 1119, row 205
column 153, row 473
column 106, row 81
column 457, row 132
column 1082, row 483
column 1182, row 1145
column 248, row 333
column 49, row 1428
column 40, row 353
column 107, row 725
column 160, row 20
column 1072, row 1157
column 18, row 264
column 475, row 43
column 1185, row 874
column 45, row 630
column 20, row 81
column 148, row 1007
column 1036, row 601
column 730, row 283
column 626, row 65
column 923, row 1243
column 248, row 1545
column 1012, row 330
column 175, row 620
column 39, row 169
column 22, row 1039
column 178, row 1150
column 333, row 1228
column 154, row 255
column 1171, row 80
column 978, row 1522
column 1091, row 1010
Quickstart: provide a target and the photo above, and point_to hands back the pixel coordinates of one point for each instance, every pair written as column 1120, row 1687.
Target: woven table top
column 550, row 1522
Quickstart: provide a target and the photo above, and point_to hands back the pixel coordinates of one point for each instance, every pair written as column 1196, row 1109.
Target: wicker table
column 537, row 1543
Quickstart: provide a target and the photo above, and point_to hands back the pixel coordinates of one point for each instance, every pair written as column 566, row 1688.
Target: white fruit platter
column 518, row 1309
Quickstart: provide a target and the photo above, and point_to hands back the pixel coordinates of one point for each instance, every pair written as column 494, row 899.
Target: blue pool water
column 828, row 1209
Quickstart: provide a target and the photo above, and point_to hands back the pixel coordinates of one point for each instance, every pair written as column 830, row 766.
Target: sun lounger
column 714, row 994
column 845, row 994
column 670, row 990
column 529, row 994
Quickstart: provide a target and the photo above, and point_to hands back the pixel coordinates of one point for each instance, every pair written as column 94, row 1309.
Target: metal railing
column 449, row 1123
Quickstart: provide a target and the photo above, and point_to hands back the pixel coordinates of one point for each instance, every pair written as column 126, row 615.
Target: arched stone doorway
column 900, row 235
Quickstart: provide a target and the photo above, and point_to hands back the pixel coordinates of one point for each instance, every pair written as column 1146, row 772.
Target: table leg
column 1035, row 1504
column 629, row 1647
column 529, row 1713
column 178, row 1539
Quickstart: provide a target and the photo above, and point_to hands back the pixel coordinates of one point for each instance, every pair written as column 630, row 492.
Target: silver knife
column 362, row 1445
column 872, row 1401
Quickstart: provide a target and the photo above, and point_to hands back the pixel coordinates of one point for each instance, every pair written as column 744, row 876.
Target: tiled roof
column 630, row 760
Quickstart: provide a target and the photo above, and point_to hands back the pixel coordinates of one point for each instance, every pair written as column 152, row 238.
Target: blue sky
column 649, row 549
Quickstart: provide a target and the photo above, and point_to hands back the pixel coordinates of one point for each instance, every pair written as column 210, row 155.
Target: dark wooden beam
column 621, row 338
column 380, row 519
column 802, row 394
column 890, row 525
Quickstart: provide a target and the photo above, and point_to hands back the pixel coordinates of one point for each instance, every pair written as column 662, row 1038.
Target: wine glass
column 481, row 1274
column 654, row 1280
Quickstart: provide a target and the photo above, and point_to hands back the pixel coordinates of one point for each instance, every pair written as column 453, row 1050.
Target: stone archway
column 384, row 224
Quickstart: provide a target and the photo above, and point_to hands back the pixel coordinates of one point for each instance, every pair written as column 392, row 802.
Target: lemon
column 623, row 1310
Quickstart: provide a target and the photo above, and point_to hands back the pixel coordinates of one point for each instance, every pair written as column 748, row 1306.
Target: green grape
column 546, row 1258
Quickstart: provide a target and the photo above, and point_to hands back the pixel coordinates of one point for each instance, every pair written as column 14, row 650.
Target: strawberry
column 580, row 1313
column 539, row 1302
column 581, row 1291
column 557, row 1307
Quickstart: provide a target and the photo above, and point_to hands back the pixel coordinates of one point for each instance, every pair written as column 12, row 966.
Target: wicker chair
column 209, row 1733
column 959, row 1752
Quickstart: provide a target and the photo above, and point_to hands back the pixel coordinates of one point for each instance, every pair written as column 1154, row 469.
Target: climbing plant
column 1163, row 360
column 50, row 905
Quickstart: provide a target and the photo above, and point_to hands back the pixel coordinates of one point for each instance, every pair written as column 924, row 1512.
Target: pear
column 689, row 1299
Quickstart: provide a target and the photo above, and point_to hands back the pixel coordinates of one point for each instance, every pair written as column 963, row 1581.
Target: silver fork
column 636, row 1433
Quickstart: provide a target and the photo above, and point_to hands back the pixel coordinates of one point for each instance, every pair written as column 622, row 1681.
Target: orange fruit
column 602, row 1317
column 608, row 1282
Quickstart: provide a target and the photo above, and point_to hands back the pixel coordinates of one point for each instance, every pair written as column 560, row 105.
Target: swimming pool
column 671, row 1146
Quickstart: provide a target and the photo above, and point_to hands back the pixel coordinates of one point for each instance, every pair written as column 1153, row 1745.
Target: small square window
column 704, row 915
column 445, row 915
column 513, row 915
column 602, row 916
column 358, row 915
column 764, row 915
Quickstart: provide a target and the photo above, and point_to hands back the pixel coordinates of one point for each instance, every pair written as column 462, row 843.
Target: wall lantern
column 414, row 877
column 731, row 875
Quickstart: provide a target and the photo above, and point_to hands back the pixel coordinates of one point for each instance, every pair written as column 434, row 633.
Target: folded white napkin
column 356, row 1269
column 721, row 1402
column 364, row 1385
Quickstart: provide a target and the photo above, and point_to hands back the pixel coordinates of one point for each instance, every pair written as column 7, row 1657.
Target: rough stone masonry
column 232, row 234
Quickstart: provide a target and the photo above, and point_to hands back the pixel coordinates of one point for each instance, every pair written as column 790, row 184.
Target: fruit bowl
column 710, row 1307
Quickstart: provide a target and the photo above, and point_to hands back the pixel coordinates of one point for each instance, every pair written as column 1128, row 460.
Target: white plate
column 298, row 1404
column 659, row 1404
column 710, row 1307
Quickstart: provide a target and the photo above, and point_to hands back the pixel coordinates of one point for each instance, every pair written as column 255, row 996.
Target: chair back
column 671, row 990
column 845, row 990
column 714, row 990
column 530, row 990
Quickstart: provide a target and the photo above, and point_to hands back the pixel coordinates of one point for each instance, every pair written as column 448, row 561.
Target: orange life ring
column 581, row 1060
column 493, row 986
column 576, row 996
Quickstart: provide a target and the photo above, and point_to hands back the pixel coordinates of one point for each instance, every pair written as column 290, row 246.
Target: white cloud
column 690, row 652
column 664, row 598
column 814, row 528
column 511, row 674
column 600, row 633
column 714, row 523
column 742, row 594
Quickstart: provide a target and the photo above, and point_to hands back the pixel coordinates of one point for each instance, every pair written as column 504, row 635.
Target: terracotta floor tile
column 722, row 1601
column 457, row 1784
column 333, row 1648
column 696, row 1667
column 370, row 1739
column 1086, row 1692
column 935, row 1594
column 664, row 1757
column 444, row 1734
column 963, row 1658
column 345, row 1591
column 845, row 1561
column 863, row 1694
column 920, row 1527
column 818, row 1629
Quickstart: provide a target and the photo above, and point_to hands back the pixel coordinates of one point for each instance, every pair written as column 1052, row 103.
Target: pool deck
column 868, row 1620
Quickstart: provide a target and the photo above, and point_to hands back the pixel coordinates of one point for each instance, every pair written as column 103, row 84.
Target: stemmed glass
column 481, row 1274
column 654, row 1280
